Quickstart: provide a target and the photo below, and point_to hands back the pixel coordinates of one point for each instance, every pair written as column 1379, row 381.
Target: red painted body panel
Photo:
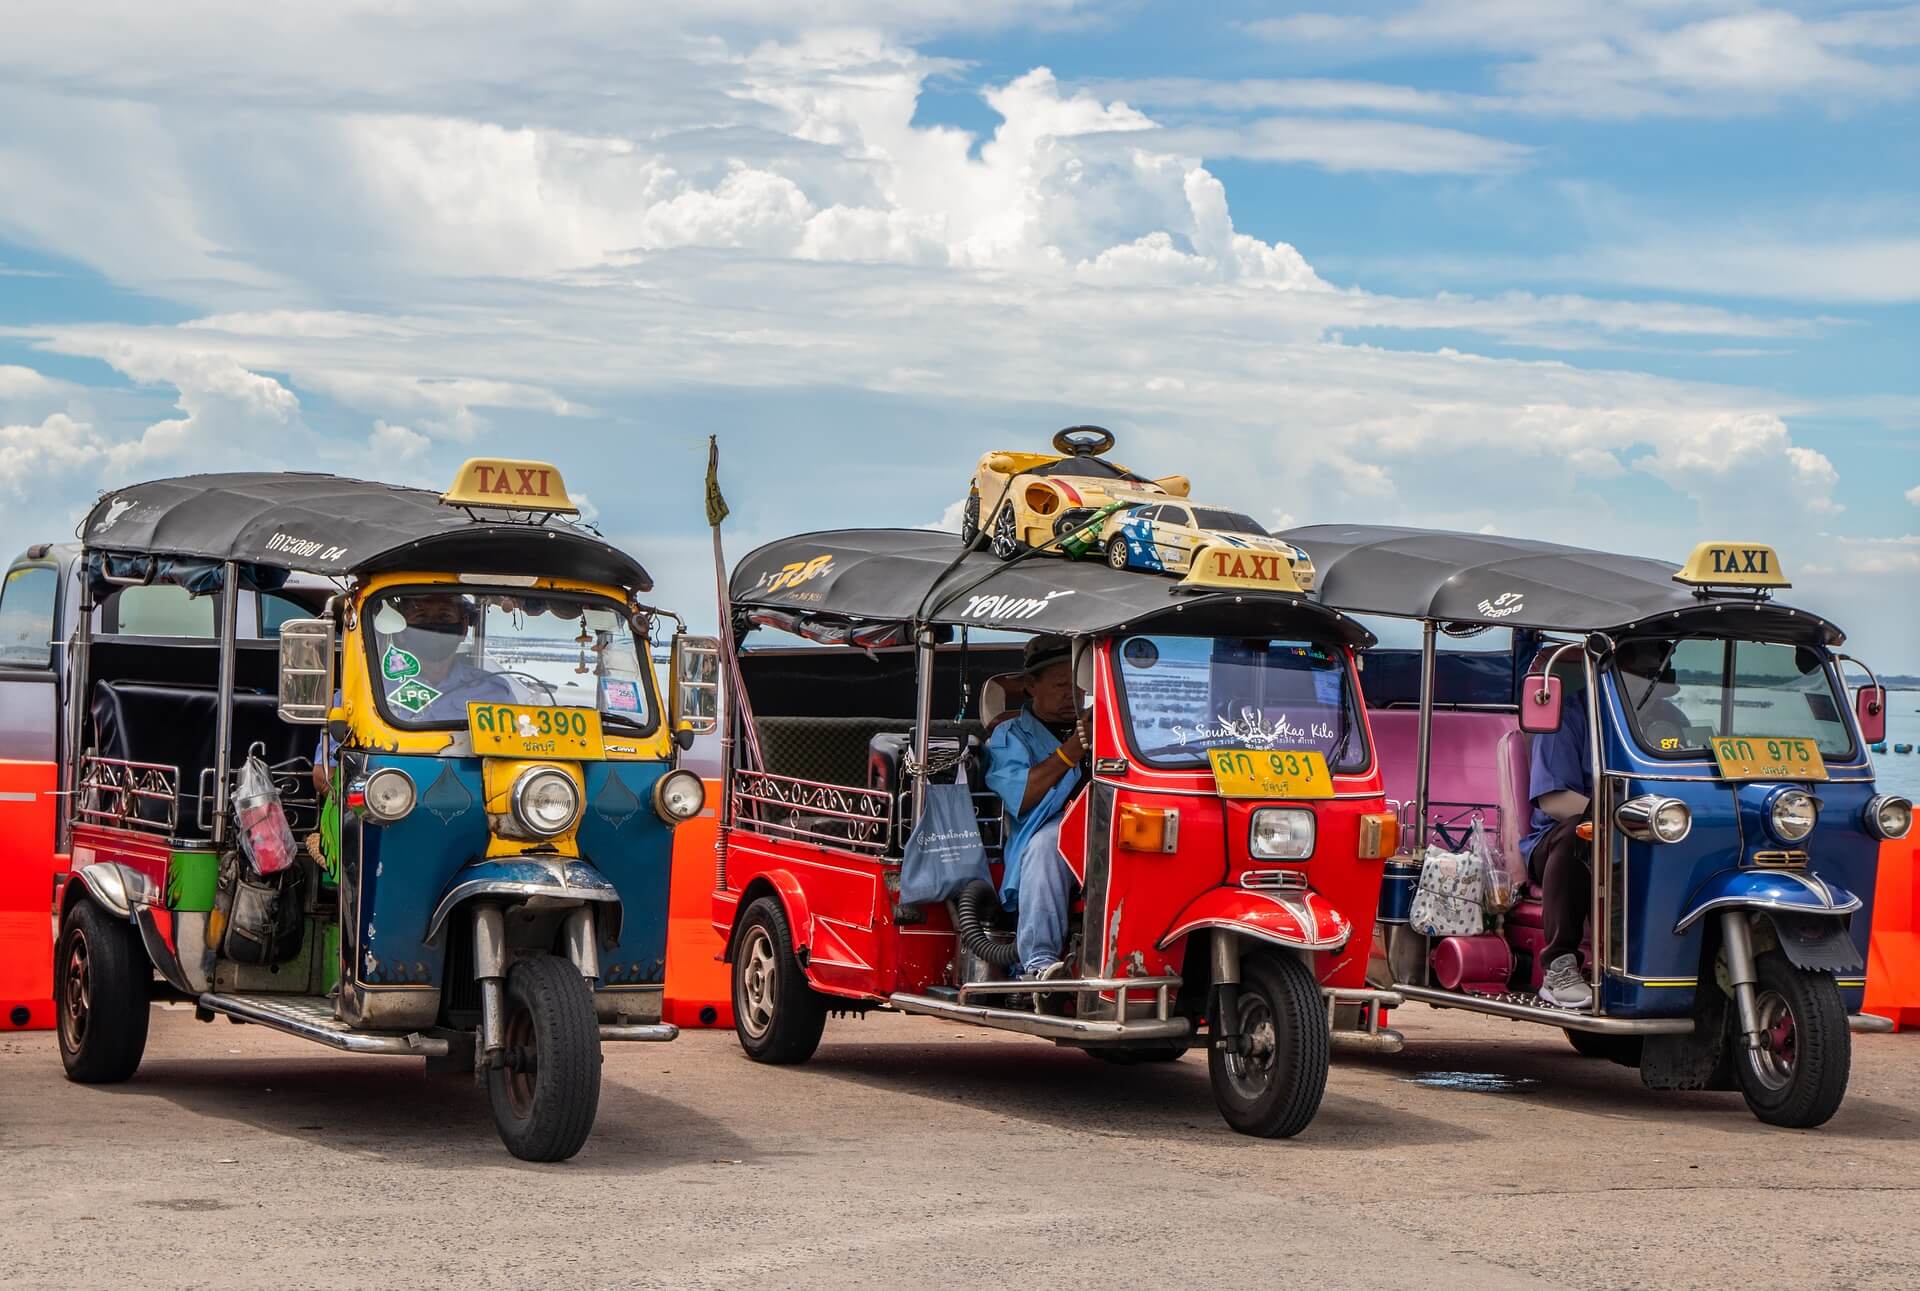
column 28, row 864
column 1305, row 920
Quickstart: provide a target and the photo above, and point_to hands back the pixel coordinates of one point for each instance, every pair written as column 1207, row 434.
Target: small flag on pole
column 716, row 501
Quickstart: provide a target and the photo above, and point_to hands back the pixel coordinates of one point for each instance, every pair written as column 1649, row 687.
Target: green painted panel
column 191, row 878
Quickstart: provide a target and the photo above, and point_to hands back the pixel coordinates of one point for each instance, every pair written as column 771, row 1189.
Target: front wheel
column 1006, row 542
column 970, row 520
column 102, row 988
column 1273, row 1090
column 778, row 1017
column 1799, row 1075
column 546, row 1092
column 1117, row 552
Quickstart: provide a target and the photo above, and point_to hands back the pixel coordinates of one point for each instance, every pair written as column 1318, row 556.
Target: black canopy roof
column 902, row 575
column 1516, row 582
column 325, row 524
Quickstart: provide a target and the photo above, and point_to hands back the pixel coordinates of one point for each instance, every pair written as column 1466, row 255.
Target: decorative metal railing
column 831, row 815
column 129, row 795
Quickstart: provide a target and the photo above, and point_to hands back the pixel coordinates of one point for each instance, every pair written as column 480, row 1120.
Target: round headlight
column 389, row 794
column 545, row 801
column 1889, row 816
column 1791, row 815
column 1672, row 821
column 678, row 796
column 1282, row 834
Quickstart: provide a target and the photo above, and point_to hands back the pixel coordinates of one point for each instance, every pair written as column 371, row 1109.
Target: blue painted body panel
column 632, row 847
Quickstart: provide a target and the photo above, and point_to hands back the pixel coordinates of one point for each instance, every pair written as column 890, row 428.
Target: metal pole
column 1600, row 853
column 223, row 730
column 922, row 719
column 1429, row 647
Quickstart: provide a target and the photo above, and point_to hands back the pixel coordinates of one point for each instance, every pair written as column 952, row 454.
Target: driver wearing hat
column 1033, row 763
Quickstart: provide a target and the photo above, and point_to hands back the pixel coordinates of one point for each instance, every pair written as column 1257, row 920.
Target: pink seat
column 1465, row 767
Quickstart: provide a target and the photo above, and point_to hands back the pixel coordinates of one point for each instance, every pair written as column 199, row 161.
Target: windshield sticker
column 398, row 665
column 1250, row 730
column 619, row 696
column 1140, row 653
column 412, row 695
column 1502, row 606
column 1008, row 607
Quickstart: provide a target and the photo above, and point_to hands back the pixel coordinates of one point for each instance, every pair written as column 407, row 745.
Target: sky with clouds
column 1626, row 273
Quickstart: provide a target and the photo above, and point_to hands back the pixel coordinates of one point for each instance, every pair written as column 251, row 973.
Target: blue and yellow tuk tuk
column 411, row 794
column 1732, row 827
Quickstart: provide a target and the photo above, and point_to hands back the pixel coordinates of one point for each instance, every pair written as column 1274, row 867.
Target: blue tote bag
column 944, row 853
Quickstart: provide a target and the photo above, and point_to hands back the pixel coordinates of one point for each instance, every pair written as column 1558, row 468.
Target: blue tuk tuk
column 1732, row 825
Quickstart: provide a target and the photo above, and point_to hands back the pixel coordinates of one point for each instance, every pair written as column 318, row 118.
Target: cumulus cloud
column 33, row 457
column 1913, row 495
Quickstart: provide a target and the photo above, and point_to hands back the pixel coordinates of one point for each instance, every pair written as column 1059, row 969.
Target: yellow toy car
column 1027, row 500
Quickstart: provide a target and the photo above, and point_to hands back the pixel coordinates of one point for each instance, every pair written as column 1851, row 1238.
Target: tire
column 1117, row 553
column 1798, row 1080
column 1623, row 1049
column 970, row 520
column 1133, row 1057
column 1006, row 542
column 778, row 1017
column 546, row 1096
column 1274, row 1092
column 102, row 988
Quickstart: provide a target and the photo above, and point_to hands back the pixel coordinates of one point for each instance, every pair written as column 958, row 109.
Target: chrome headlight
column 678, row 796
column 1791, row 814
column 1889, row 816
column 388, row 794
column 1281, row 834
column 546, row 802
column 1652, row 819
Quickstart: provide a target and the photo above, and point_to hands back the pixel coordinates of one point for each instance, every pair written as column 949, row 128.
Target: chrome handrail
column 112, row 789
column 759, row 797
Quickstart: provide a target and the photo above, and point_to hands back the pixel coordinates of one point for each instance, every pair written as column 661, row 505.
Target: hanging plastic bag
column 264, row 833
column 1498, row 888
column 1448, row 900
column 944, row 852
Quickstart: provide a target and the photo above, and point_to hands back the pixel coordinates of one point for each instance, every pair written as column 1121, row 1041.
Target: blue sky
column 1629, row 274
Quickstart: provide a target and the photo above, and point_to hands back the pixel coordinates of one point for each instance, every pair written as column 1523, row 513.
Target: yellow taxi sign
column 1767, row 757
column 1733, row 564
column 1241, row 568
column 1270, row 773
column 510, row 483
column 535, row 731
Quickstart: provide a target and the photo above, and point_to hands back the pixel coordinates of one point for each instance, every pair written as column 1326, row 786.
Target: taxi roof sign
column 1732, row 564
column 1240, row 568
column 511, row 484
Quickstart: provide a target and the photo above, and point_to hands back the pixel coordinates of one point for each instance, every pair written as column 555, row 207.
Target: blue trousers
column 1046, row 898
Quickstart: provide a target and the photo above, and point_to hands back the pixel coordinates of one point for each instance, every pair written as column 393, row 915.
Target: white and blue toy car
column 1164, row 537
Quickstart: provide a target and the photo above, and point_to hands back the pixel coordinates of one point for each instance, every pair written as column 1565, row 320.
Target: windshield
column 436, row 650
column 1680, row 694
column 1226, row 522
column 1185, row 695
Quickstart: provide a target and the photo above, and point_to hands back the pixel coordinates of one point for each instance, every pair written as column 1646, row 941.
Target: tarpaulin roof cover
column 1516, row 582
column 325, row 524
column 903, row 575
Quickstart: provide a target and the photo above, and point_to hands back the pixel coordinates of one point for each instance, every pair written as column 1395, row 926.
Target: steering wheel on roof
column 1083, row 441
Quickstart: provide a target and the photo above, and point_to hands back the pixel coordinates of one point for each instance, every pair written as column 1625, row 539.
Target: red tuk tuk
column 1226, row 839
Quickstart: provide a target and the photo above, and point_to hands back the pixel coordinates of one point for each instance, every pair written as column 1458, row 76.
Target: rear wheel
column 1623, row 1049
column 778, row 1017
column 1273, row 1090
column 547, row 1092
column 1799, row 1075
column 1006, row 542
column 102, row 986
column 970, row 520
column 1117, row 552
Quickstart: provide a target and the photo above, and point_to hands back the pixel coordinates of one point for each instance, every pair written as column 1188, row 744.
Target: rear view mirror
column 1540, row 699
column 694, row 691
column 306, row 671
column 1870, row 706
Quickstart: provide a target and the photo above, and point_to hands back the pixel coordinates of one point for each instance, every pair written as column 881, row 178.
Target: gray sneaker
column 1564, row 986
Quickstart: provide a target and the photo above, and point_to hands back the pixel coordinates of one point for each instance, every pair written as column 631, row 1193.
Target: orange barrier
column 27, row 867
column 699, row 990
column 1893, row 956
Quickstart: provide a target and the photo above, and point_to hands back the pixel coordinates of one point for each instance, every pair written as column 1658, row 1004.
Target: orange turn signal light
column 1584, row 831
column 1379, row 835
column 1149, row 829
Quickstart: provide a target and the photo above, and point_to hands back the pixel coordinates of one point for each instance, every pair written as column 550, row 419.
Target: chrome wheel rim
column 1775, row 1060
column 758, row 979
column 76, row 992
column 1117, row 553
column 1004, row 535
column 1252, row 1073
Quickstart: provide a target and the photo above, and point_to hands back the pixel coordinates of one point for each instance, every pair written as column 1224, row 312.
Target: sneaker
column 1052, row 972
column 1564, row 986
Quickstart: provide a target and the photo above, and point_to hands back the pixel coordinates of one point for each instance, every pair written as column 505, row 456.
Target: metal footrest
column 1044, row 1024
column 311, row 1018
column 1385, row 1040
column 1529, row 1008
column 658, row 1032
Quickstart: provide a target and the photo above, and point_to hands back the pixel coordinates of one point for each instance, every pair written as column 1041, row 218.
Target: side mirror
column 1540, row 700
column 306, row 671
column 693, row 704
column 1870, row 706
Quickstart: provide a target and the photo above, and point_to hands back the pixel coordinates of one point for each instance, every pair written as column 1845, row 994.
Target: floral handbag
column 1447, row 902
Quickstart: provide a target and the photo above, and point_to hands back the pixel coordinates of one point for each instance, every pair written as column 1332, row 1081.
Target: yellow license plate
column 1756, row 757
column 532, row 731
column 1270, row 773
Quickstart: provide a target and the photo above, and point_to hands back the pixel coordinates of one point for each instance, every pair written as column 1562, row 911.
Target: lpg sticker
column 413, row 695
column 1503, row 605
column 398, row 665
column 1007, row 608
